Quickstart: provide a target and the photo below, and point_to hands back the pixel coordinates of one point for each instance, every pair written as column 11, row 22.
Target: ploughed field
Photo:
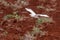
column 18, row 21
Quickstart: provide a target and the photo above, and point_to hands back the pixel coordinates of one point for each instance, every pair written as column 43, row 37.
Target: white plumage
column 31, row 11
column 33, row 14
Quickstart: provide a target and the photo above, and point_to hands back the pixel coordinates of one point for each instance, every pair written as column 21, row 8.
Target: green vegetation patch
column 44, row 20
column 16, row 16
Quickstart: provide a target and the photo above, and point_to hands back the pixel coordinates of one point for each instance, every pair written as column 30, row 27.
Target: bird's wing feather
column 31, row 11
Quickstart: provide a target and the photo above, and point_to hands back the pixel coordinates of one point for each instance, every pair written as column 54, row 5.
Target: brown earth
column 27, row 24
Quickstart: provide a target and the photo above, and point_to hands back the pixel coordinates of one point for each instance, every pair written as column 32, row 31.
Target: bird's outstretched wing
column 31, row 11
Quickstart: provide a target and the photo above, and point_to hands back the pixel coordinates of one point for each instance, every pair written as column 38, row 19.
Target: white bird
column 33, row 14
column 31, row 11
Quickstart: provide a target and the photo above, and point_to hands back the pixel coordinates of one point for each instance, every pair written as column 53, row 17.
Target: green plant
column 16, row 16
column 46, row 20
